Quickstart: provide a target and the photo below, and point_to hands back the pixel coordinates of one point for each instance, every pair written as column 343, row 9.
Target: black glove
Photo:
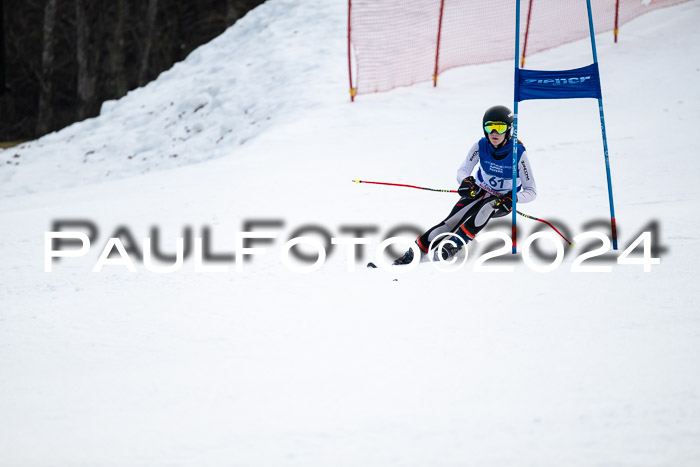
column 504, row 204
column 468, row 188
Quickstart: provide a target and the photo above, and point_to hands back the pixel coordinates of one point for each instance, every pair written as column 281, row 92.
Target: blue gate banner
column 562, row 84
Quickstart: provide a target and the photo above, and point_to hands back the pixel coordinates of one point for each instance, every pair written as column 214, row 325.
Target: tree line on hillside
column 60, row 59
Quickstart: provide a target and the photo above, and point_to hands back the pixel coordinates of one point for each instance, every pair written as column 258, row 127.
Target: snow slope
column 269, row 367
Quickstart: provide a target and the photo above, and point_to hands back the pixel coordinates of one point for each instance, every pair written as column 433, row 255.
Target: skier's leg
column 476, row 222
column 476, row 219
column 460, row 212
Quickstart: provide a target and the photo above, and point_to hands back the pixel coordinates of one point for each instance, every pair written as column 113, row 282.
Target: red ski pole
column 407, row 186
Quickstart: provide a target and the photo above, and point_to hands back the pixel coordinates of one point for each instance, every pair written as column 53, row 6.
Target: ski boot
column 449, row 250
column 407, row 258
column 451, row 246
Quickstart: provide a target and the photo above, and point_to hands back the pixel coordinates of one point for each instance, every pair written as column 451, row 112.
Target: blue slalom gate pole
column 514, row 196
column 613, row 227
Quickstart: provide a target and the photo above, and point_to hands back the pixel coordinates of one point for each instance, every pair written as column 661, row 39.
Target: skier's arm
column 529, row 188
column 469, row 163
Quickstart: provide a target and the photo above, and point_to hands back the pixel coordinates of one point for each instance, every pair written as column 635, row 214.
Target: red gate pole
column 617, row 17
column 437, row 48
column 527, row 32
column 352, row 90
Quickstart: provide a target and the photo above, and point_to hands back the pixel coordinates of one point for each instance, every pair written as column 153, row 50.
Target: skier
column 486, row 186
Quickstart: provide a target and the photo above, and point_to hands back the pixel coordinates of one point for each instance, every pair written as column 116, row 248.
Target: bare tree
column 2, row 48
column 116, row 49
column 149, row 32
column 45, row 115
column 86, row 79
column 232, row 12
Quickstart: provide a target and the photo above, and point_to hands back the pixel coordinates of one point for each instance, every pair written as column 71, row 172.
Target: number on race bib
column 496, row 182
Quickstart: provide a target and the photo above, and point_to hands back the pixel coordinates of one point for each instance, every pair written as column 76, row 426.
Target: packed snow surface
column 260, row 365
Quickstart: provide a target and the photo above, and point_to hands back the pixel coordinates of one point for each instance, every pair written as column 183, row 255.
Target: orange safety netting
column 395, row 43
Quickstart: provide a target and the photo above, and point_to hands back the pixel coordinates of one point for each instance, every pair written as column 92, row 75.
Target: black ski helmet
column 499, row 113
